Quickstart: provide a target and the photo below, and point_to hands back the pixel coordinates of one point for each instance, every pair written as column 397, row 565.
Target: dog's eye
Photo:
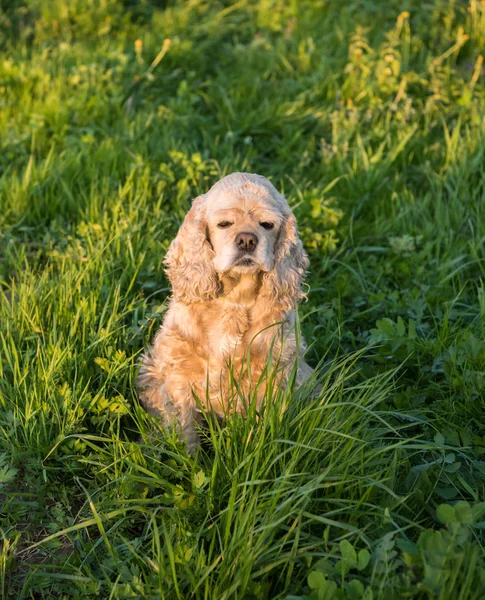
column 224, row 224
column 266, row 225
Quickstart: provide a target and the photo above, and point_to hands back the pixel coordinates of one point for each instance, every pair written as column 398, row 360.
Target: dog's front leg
column 187, row 421
column 164, row 397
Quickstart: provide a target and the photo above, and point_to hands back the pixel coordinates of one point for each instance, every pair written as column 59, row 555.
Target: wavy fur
column 189, row 259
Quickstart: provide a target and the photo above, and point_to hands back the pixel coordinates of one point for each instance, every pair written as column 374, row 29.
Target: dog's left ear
column 189, row 259
column 282, row 285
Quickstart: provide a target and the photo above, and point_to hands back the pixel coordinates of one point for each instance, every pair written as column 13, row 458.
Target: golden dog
column 236, row 269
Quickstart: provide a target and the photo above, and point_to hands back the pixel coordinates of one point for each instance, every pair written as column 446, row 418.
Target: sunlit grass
column 368, row 482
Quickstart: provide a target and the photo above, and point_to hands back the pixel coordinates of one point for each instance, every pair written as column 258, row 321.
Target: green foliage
column 433, row 563
column 369, row 117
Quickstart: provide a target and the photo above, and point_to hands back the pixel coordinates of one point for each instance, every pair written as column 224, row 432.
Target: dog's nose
column 246, row 242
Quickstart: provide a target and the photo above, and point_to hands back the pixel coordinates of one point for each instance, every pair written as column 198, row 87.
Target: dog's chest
column 229, row 331
column 237, row 331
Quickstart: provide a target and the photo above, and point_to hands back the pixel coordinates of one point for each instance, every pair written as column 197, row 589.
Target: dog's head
column 242, row 225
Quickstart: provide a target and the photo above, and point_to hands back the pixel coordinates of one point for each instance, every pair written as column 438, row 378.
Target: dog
column 236, row 268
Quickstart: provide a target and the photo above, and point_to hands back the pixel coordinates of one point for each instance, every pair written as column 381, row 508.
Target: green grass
column 371, row 121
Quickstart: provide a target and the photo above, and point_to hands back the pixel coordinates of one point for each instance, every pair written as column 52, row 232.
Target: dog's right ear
column 189, row 259
column 282, row 285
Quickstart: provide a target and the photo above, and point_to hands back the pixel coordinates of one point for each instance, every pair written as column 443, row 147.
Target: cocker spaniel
column 236, row 269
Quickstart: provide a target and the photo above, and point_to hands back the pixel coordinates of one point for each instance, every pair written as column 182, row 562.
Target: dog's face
column 242, row 230
column 242, row 225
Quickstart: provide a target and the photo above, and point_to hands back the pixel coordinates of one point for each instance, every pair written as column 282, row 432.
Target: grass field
column 370, row 117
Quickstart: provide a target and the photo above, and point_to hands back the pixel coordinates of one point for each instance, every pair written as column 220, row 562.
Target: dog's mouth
column 245, row 262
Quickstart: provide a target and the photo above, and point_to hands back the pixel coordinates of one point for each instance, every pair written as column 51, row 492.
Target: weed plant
column 367, row 483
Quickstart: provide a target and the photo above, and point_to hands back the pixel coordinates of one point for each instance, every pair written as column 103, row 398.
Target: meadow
column 370, row 117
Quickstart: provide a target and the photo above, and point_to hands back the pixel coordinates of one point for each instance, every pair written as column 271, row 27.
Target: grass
column 369, row 117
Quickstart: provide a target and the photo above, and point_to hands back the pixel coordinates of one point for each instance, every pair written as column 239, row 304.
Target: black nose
column 246, row 242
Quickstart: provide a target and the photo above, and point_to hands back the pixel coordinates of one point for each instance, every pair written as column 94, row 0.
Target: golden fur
column 228, row 302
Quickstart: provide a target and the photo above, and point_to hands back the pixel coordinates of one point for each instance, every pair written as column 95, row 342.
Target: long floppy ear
column 282, row 285
column 189, row 259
